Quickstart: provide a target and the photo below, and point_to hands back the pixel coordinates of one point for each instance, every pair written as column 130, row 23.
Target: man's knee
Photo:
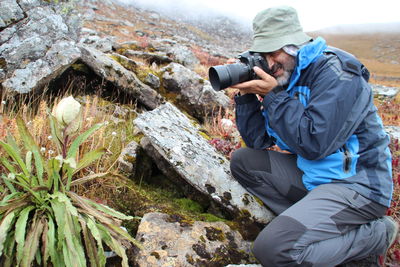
column 237, row 164
column 275, row 244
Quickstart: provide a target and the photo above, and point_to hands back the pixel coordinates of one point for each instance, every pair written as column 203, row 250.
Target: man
column 331, row 192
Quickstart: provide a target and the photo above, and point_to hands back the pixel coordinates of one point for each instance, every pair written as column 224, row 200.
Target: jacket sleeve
column 251, row 123
column 338, row 102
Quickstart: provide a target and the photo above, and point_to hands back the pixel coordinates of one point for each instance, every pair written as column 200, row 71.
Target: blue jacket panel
column 327, row 117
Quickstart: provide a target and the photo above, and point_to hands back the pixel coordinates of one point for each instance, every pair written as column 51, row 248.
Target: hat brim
column 266, row 44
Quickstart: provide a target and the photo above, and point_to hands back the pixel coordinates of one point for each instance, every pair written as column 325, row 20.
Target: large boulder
column 10, row 12
column 168, row 241
column 37, row 47
column 110, row 70
column 193, row 93
column 38, row 73
column 172, row 140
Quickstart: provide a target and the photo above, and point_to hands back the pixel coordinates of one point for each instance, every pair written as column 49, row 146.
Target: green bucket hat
column 276, row 27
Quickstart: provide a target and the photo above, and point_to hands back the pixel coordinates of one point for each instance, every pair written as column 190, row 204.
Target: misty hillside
column 368, row 28
column 376, row 45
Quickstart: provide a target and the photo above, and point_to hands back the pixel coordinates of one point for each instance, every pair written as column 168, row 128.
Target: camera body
column 223, row 76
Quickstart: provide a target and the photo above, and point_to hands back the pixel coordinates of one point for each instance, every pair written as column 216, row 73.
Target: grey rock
column 393, row 131
column 38, row 73
column 112, row 71
column 103, row 44
column 153, row 81
column 10, row 12
column 171, row 137
column 36, row 35
column 195, row 94
column 385, row 91
column 29, row 4
column 158, row 58
column 7, row 34
column 183, row 55
column 168, row 242
column 2, row 75
column 127, row 159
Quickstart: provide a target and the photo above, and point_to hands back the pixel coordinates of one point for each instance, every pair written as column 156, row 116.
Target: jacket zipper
column 347, row 159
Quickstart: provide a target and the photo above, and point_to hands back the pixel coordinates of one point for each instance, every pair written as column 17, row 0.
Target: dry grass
column 380, row 53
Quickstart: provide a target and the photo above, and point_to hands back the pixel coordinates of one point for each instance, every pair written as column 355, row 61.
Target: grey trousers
column 325, row 227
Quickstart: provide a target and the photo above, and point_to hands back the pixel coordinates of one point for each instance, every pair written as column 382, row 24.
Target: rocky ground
column 158, row 63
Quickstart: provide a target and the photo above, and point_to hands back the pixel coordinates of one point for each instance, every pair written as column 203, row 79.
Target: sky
column 313, row 14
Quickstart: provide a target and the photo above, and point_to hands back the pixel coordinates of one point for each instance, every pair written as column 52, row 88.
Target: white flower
column 226, row 124
column 68, row 114
column 49, row 137
column 50, row 152
column 42, row 149
column 114, row 134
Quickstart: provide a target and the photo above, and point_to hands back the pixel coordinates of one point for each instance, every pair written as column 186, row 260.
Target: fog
column 313, row 14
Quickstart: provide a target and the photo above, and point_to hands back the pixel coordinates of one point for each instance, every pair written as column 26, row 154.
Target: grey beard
column 284, row 79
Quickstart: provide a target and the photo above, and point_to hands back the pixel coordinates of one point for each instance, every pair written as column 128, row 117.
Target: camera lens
column 223, row 76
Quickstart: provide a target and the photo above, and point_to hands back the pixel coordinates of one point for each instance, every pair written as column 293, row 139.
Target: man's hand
column 260, row 87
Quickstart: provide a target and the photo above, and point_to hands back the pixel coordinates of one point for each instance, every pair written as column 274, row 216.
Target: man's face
column 281, row 65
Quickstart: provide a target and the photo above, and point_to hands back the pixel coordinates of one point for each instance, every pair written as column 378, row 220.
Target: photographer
column 331, row 192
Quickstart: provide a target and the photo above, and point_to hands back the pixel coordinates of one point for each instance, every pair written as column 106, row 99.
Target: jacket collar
column 307, row 55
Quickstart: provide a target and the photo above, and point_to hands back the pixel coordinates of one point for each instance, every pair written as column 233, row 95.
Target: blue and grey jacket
column 327, row 117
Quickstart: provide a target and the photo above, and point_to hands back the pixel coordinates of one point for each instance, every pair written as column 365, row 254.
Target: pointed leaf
column 90, row 245
column 51, row 244
column 55, row 131
column 20, row 230
column 89, row 157
column 30, row 144
column 107, row 210
column 73, row 241
column 28, row 161
column 59, row 214
column 13, row 144
column 97, row 236
column 88, row 178
column 113, row 244
column 9, row 253
column 80, row 139
column 15, row 156
column 125, row 235
column 32, row 242
column 5, row 226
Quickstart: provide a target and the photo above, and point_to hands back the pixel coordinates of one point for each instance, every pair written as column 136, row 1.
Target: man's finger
column 262, row 74
column 244, row 85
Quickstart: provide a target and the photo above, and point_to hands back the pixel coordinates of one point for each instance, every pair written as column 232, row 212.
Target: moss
column 215, row 234
column 3, row 63
column 208, row 217
column 81, row 67
column 183, row 221
column 246, row 226
column 189, row 259
column 155, row 254
column 205, row 135
column 202, row 239
column 259, row 201
column 226, row 254
column 201, row 250
column 189, row 205
column 245, row 199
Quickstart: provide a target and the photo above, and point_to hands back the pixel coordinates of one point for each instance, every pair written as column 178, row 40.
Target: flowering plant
column 41, row 220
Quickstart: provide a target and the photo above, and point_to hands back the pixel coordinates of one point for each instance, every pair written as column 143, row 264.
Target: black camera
column 223, row 76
